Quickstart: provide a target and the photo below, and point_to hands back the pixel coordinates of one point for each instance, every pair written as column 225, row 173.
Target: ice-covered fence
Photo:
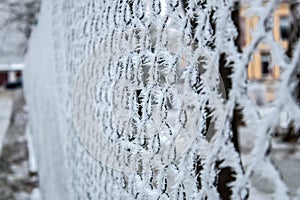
column 127, row 100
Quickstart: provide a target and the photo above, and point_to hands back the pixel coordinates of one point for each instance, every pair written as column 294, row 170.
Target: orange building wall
column 255, row 68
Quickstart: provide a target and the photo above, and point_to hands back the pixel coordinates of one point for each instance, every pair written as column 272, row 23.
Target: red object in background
column 3, row 78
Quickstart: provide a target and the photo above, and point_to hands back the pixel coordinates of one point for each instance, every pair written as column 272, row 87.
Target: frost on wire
column 129, row 100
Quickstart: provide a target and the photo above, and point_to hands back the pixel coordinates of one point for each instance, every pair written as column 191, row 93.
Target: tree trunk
column 292, row 133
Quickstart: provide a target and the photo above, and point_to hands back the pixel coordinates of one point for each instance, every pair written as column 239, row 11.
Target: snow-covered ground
column 5, row 112
column 16, row 180
column 285, row 156
column 288, row 164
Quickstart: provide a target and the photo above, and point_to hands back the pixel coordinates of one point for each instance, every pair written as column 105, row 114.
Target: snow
column 118, row 107
column 16, row 182
column 6, row 109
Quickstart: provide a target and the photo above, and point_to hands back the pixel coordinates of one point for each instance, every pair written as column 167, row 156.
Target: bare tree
column 19, row 16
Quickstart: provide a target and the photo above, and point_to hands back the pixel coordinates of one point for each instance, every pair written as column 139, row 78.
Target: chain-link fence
column 145, row 99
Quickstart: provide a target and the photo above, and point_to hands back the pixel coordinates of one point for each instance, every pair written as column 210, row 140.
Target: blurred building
column 261, row 68
column 9, row 73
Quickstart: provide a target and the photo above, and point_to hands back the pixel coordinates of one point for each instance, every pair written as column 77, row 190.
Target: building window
column 265, row 63
column 284, row 27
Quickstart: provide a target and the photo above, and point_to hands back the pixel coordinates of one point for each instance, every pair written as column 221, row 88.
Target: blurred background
column 18, row 171
column 17, row 21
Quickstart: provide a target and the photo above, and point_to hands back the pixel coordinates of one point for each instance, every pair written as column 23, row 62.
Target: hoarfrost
column 127, row 99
